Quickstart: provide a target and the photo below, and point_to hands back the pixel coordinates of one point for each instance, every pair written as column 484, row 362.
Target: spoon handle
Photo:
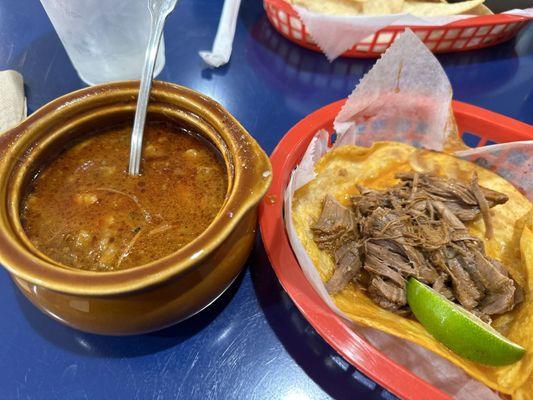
column 158, row 16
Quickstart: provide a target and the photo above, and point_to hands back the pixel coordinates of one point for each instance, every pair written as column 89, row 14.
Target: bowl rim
column 249, row 167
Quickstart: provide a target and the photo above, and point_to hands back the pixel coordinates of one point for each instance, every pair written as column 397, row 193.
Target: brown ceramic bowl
column 152, row 296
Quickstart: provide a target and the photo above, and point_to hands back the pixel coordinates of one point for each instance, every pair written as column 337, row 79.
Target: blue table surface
column 253, row 342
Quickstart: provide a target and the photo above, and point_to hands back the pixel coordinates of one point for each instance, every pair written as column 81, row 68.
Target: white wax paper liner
column 513, row 161
column 406, row 93
column 352, row 129
column 334, row 34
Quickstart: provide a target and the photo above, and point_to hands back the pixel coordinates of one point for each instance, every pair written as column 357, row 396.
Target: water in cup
column 105, row 40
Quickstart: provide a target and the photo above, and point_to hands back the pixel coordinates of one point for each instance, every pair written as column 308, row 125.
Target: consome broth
column 83, row 209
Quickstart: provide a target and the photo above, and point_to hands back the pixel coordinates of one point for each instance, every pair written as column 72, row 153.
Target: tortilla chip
column 352, row 7
column 383, row 7
column 480, row 10
column 338, row 172
column 332, row 7
column 429, row 9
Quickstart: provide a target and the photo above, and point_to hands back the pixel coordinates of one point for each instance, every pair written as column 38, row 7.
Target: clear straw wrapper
column 223, row 44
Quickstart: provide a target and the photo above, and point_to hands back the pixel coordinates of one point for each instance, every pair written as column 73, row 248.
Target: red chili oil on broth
column 84, row 210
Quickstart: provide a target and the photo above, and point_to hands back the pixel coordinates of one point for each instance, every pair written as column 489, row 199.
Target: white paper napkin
column 12, row 100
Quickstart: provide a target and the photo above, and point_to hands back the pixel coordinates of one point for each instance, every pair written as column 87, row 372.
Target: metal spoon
column 159, row 11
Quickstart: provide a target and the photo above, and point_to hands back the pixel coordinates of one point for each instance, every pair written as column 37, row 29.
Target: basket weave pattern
column 473, row 33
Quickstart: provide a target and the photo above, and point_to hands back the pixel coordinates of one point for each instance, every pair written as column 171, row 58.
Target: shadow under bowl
column 152, row 296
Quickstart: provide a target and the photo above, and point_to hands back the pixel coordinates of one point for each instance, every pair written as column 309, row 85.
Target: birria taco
column 376, row 217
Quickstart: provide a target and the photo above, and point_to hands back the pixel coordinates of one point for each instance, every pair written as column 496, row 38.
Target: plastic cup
column 105, row 39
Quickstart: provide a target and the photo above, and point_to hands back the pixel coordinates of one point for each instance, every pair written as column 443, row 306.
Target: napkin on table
column 12, row 100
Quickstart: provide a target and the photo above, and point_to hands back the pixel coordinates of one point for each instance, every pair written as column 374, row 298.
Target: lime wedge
column 460, row 331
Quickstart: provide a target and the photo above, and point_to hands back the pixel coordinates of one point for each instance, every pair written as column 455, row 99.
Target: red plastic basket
column 472, row 121
column 467, row 34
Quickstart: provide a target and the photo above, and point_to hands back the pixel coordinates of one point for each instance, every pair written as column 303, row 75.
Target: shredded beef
column 417, row 229
column 335, row 226
column 348, row 265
